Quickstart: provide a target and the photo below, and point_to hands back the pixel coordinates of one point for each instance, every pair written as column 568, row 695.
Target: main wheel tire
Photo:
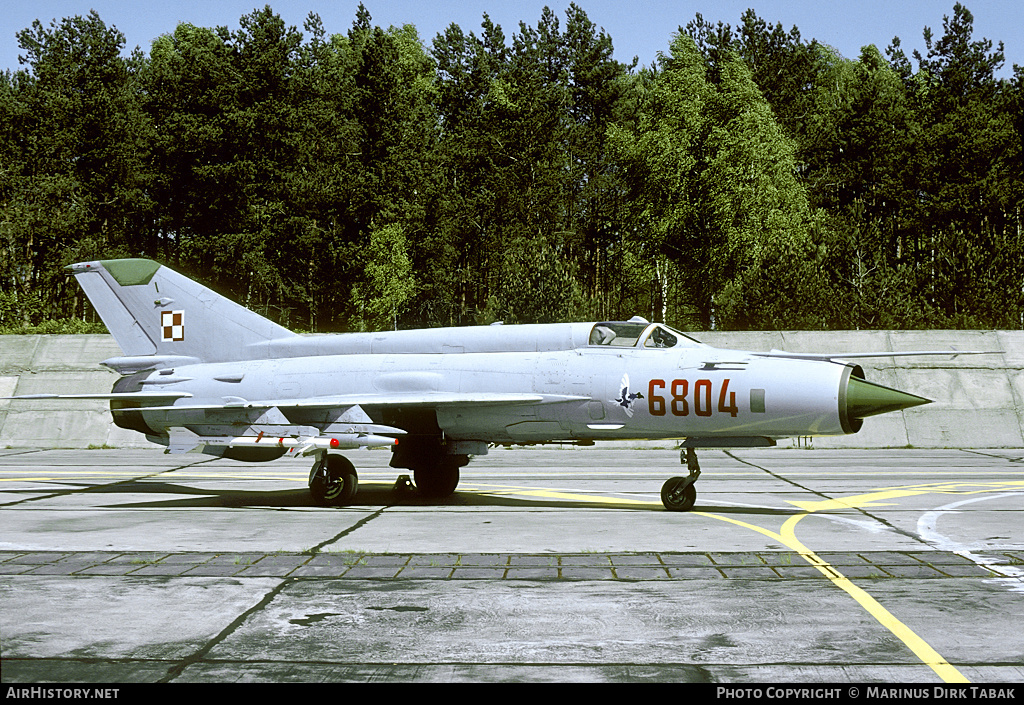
column 438, row 479
column 678, row 495
column 334, row 481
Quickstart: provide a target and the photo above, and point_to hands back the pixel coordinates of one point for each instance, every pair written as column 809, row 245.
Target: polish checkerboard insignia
column 173, row 326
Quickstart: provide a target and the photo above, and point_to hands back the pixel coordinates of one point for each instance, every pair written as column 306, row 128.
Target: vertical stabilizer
column 153, row 310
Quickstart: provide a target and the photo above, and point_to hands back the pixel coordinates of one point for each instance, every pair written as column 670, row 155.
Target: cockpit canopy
column 639, row 333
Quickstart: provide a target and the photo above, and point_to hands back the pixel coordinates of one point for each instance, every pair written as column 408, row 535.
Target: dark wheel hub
column 333, row 481
column 678, row 494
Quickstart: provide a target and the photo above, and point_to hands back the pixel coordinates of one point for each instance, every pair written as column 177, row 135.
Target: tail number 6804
column 679, row 398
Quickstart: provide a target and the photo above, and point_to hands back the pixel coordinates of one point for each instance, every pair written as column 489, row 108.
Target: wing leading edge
column 852, row 356
column 288, row 426
column 404, row 399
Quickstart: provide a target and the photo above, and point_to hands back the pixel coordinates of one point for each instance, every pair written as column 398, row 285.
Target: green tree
column 390, row 282
column 192, row 89
column 600, row 93
column 749, row 178
column 786, row 68
column 482, row 171
column 524, row 166
column 394, row 164
column 713, row 177
column 969, row 227
column 861, row 167
column 535, row 284
column 79, row 186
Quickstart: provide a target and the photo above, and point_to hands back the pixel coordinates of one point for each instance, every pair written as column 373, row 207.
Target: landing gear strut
column 333, row 480
column 678, row 493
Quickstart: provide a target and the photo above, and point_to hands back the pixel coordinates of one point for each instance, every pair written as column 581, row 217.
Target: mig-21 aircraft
column 203, row 374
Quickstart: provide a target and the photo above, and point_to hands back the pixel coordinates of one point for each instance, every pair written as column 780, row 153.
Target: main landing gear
column 434, row 470
column 678, row 494
column 333, row 481
column 438, row 477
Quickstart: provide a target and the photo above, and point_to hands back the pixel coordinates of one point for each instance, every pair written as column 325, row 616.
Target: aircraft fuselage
column 591, row 393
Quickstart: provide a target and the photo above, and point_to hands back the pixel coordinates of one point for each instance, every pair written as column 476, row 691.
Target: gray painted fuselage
column 581, row 392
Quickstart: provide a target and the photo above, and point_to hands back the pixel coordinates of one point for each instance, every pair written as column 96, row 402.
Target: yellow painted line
column 829, row 472
column 521, row 491
column 877, row 499
column 572, row 497
column 787, row 537
column 919, row 646
column 90, row 474
column 872, row 499
column 929, row 656
column 960, row 487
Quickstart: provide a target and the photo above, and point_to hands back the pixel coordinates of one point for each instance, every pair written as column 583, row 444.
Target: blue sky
column 640, row 28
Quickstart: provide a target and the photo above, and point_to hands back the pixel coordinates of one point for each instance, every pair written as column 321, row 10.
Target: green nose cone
column 867, row 399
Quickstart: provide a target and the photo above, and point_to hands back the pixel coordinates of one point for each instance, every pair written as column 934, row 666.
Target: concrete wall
column 42, row 364
column 978, row 399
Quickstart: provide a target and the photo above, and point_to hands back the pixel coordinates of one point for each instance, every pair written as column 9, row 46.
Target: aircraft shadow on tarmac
column 370, row 495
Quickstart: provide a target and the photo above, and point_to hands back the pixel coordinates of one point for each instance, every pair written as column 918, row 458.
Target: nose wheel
column 678, row 494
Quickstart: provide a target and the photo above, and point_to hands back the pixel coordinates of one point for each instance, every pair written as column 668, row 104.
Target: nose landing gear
column 678, row 494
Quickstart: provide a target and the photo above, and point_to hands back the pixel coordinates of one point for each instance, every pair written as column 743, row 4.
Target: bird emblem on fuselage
column 626, row 398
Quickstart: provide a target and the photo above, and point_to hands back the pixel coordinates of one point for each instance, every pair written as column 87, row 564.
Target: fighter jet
column 203, row 374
